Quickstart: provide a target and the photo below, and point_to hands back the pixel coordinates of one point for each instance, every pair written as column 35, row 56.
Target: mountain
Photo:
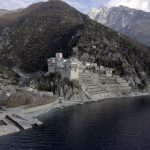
column 39, row 31
column 11, row 17
column 131, row 22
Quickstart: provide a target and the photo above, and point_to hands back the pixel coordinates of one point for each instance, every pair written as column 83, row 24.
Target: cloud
column 15, row 4
column 85, row 5
column 81, row 5
column 137, row 4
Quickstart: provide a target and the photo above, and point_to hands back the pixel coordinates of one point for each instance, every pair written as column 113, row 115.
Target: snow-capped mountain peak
column 93, row 13
column 129, row 21
column 99, row 14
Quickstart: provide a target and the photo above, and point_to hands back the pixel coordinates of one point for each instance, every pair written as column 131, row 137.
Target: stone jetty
column 7, row 127
column 12, row 123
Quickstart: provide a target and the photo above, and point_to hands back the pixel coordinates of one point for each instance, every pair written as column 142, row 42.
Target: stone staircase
column 99, row 86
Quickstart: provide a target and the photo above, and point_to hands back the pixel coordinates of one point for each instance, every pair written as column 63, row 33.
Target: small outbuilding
column 109, row 72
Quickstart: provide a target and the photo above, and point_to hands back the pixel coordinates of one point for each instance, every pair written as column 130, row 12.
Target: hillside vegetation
column 54, row 26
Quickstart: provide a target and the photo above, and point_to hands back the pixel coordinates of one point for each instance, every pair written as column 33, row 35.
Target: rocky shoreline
column 33, row 113
column 23, row 105
column 37, row 111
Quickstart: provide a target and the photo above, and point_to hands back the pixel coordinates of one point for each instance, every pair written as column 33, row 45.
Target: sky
column 82, row 5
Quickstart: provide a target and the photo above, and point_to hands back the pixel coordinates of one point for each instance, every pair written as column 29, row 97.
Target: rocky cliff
column 14, row 96
column 8, row 76
column 62, row 87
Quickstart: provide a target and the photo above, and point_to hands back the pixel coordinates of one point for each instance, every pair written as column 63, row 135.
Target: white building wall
column 51, row 69
column 59, row 55
column 67, row 68
column 109, row 73
column 74, row 74
column 71, row 74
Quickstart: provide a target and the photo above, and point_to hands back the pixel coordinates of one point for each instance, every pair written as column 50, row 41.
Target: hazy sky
column 82, row 5
column 86, row 5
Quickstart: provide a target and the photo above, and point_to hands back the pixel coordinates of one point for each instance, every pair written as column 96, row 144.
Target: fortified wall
column 68, row 68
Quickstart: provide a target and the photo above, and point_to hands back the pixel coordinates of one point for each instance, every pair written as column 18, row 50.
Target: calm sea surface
column 115, row 124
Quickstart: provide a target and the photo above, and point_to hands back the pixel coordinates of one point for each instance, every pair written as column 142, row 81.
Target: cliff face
column 14, row 96
column 46, row 28
column 8, row 76
column 62, row 87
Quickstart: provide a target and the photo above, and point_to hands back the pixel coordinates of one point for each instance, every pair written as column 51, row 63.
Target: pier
column 12, row 123
column 7, row 127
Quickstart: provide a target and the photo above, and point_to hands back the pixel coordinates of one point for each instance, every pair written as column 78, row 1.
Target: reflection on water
column 115, row 124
